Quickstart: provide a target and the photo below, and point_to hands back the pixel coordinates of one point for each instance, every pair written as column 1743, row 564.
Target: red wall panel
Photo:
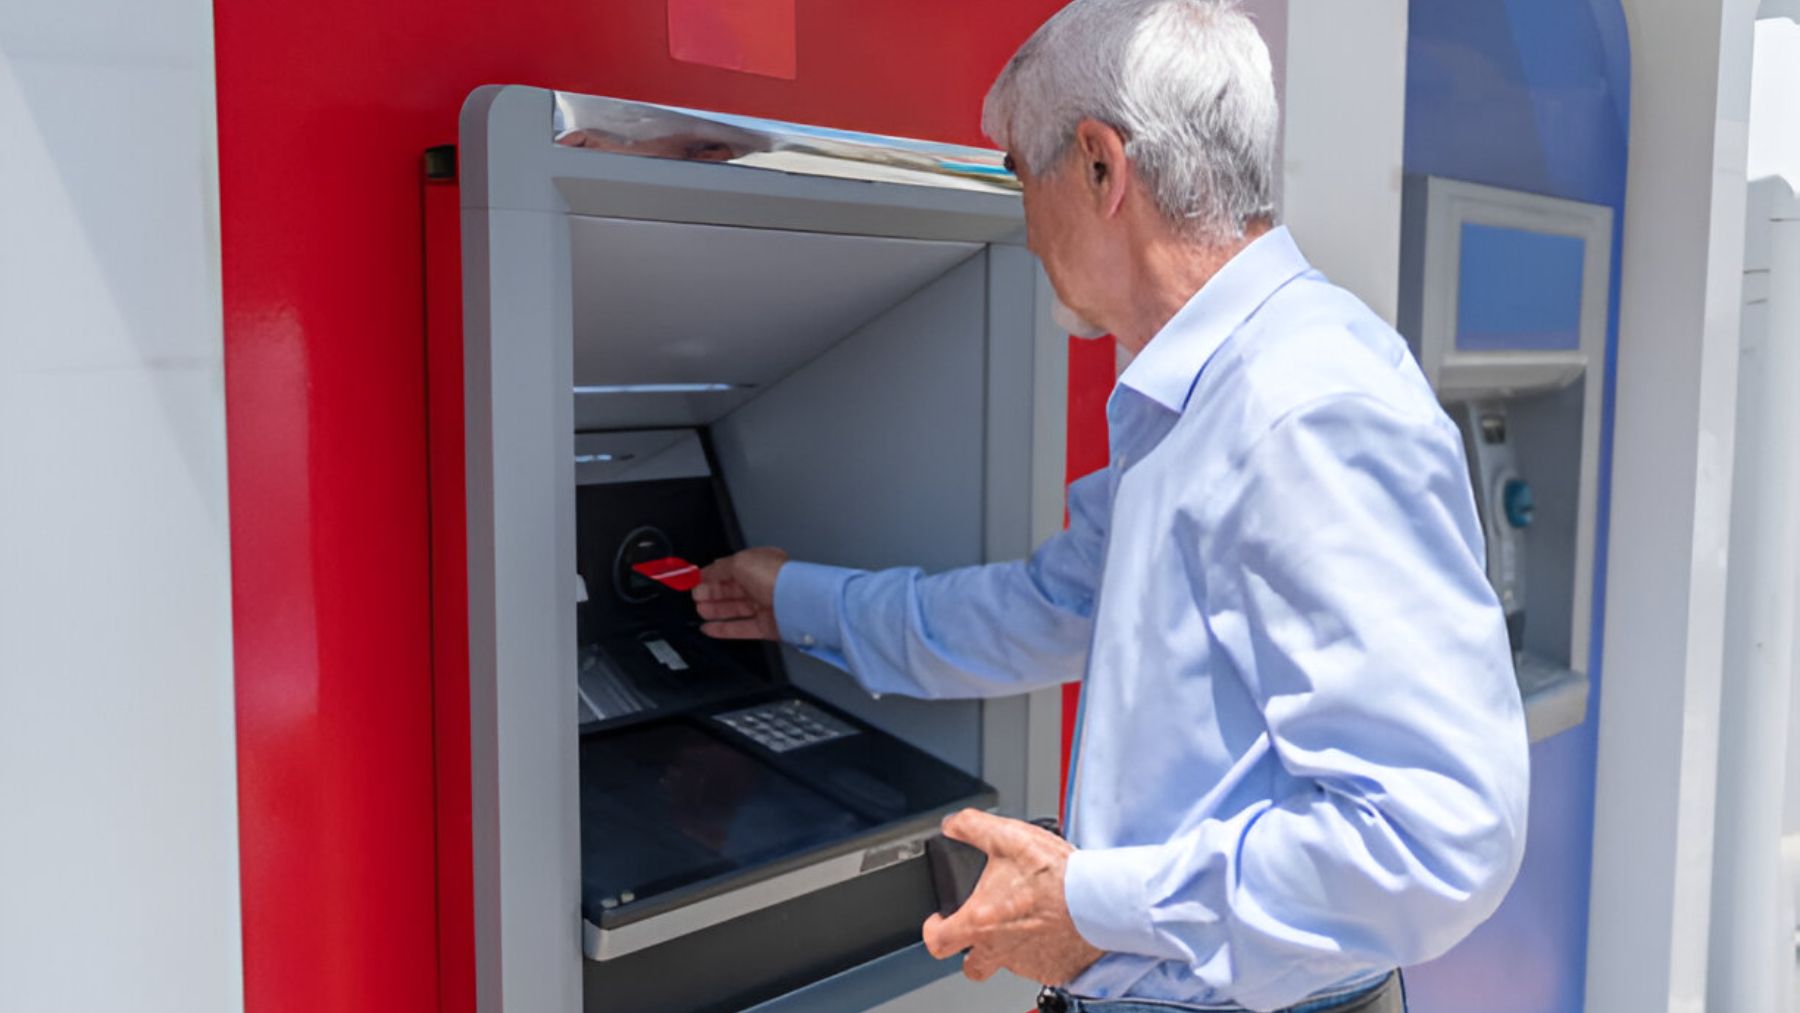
column 1092, row 365
column 324, row 108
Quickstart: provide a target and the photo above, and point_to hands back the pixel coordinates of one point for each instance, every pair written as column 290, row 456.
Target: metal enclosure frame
column 518, row 190
column 1751, row 961
column 1673, row 448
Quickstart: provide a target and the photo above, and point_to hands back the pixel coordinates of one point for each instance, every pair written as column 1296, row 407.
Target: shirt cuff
column 806, row 605
column 1108, row 896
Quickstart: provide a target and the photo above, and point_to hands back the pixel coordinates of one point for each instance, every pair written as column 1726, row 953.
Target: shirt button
column 808, row 640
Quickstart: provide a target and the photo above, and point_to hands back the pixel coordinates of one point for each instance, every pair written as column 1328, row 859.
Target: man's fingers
column 934, row 926
column 718, row 580
column 734, row 629
column 716, row 584
column 946, row 937
column 978, row 966
column 983, row 830
column 733, row 608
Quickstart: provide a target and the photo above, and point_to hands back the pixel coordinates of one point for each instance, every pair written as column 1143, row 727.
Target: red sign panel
column 753, row 36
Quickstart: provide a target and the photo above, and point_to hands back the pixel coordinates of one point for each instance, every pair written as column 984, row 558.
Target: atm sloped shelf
column 676, row 303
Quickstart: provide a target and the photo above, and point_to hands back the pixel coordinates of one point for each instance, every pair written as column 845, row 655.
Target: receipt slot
column 1504, row 301
column 685, row 333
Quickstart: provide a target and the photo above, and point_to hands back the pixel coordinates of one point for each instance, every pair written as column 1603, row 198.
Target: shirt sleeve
column 1344, row 581
column 977, row 631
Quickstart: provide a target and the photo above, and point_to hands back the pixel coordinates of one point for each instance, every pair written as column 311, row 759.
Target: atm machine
column 685, row 333
column 1504, row 300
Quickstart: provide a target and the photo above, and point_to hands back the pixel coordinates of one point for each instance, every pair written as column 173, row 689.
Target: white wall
column 118, row 817
column 1340, row 69
column 1754, row 944
column 1344, row 141
column 1775, row 102
column 1751, row 960
column 1775, row 151
column 1340, row 72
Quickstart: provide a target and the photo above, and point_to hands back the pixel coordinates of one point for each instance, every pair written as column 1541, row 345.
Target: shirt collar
column 1167, row 367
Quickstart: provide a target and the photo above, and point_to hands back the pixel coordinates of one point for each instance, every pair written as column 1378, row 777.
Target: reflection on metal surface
column 659, row 388
column 610, row 943
column 657, row 131
column 643, row 455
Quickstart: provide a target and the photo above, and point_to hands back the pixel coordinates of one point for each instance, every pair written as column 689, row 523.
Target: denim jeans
column 1385, row 996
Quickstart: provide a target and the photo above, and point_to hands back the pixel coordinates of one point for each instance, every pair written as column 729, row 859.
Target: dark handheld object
column 956, row 867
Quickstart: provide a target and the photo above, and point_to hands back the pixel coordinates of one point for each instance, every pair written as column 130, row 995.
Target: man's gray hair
column 1186, row 82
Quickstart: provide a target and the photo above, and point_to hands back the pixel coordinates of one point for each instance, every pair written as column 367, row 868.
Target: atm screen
column 667, row 805
column 1518, row 290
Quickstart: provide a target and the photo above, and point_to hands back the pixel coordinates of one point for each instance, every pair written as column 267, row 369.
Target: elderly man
column 1301, row 762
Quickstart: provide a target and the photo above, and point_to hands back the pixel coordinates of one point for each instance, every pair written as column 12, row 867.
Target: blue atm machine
column 1504, row 300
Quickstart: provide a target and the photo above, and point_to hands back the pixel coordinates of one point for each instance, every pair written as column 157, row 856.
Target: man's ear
column 1101, row 150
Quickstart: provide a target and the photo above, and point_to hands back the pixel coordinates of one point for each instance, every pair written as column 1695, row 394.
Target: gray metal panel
column 521, row 618
column 1027, row 380
column 865, row 986
column 1006, row 521
column 663, row 302
column 955, row 993
column 520, row 557
column 929, row 984
column 1409, row 321
column 1539, row 429
column 1011, row 358
column 501, row 152
column 521, row 530
column 1049, row 497
column 623, row 186
column 871, row 456
column 1556, row 697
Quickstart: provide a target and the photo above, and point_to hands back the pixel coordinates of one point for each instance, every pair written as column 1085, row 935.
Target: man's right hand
column 736, row 595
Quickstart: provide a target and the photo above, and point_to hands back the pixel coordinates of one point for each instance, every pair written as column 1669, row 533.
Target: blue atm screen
column 1518, row 290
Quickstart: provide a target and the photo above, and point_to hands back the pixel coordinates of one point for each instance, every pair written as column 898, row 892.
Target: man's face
column 1064, row 226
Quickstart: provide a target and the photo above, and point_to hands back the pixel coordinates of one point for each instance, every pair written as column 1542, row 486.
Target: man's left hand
column 1017, row 918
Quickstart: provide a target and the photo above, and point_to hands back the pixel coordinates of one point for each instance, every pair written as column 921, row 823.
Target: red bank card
column 672, row 572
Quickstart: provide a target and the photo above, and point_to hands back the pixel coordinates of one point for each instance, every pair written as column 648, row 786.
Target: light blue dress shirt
column 1302, row 755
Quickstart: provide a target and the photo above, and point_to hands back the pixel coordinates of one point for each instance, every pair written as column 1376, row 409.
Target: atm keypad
column 784, row 726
